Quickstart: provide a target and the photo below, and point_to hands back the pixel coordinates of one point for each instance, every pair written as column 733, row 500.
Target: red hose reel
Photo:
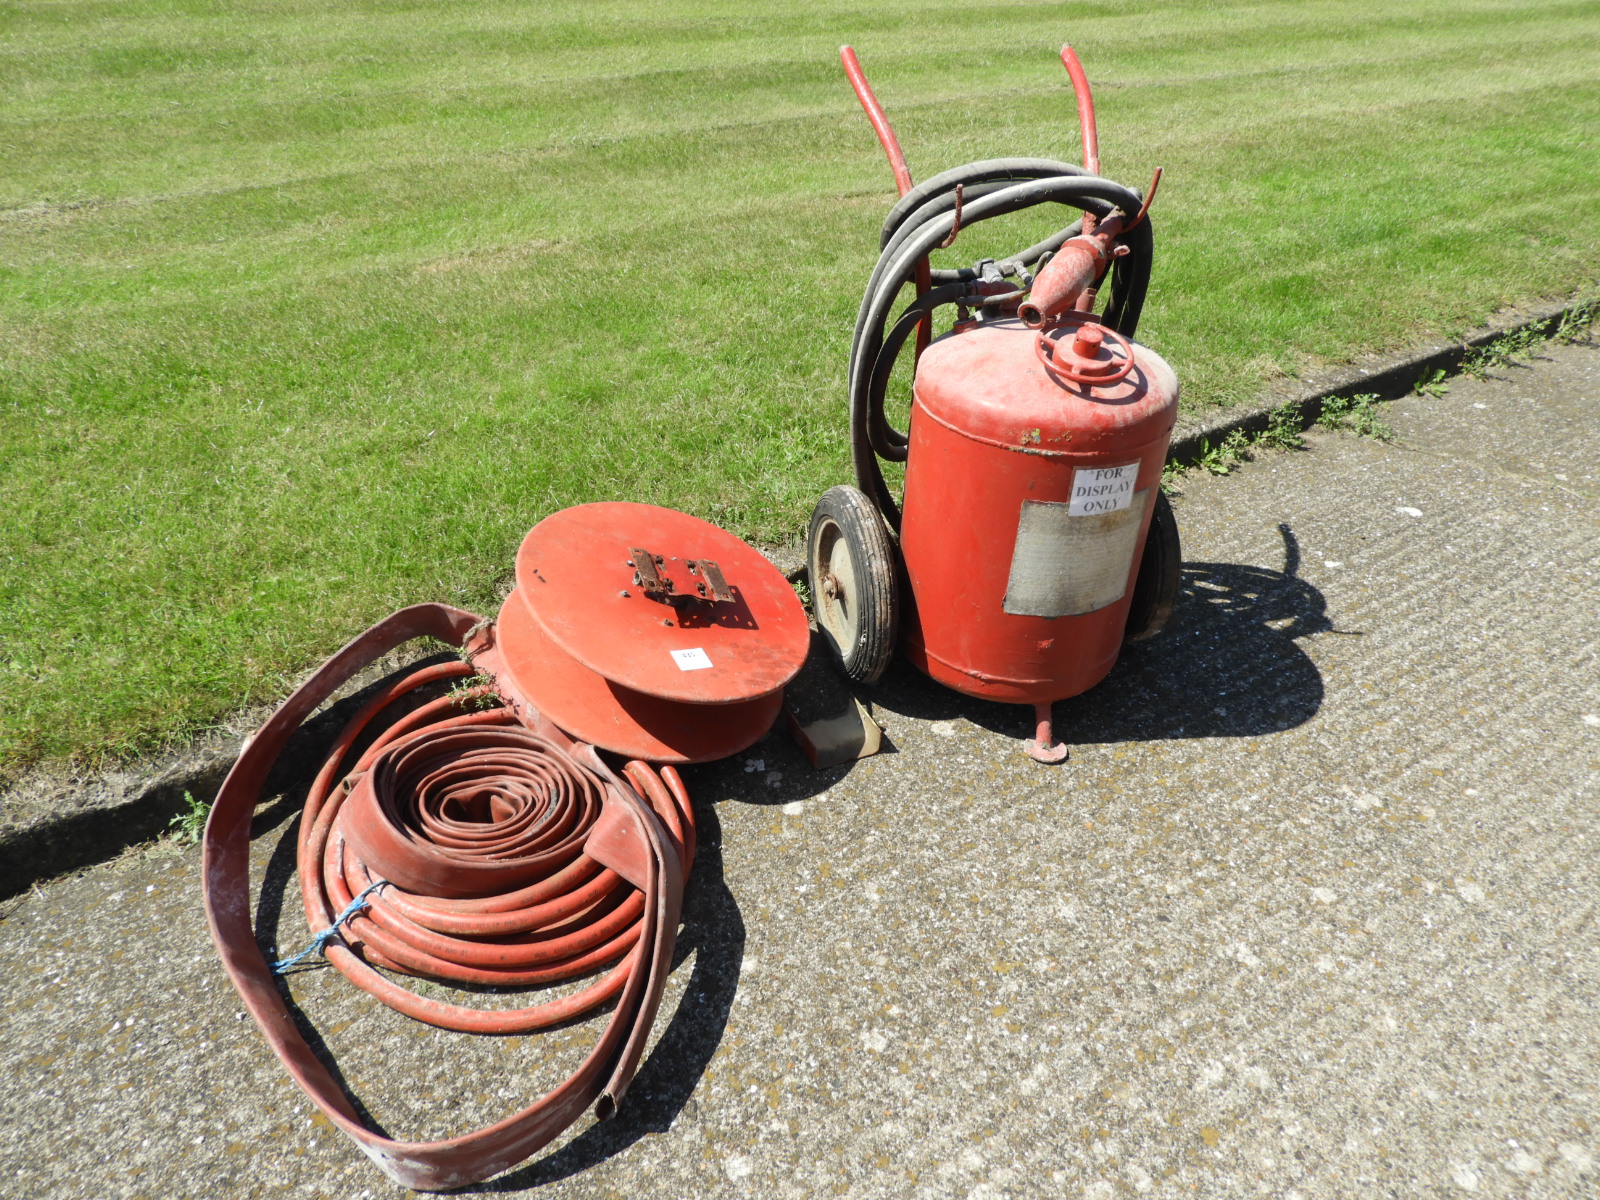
column 650, row 633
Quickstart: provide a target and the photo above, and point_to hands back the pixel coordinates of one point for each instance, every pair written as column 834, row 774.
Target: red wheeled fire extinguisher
column 1034, row 539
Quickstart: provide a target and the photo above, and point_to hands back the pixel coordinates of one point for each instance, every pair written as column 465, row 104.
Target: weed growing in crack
column 1578, row 324
column 1360, row 414
column 1432, row 384
column 1355, row 414
column 1282, row 433
column 1283, row 428
column 188, row 825
column 1221, row 459
column 1502, row 352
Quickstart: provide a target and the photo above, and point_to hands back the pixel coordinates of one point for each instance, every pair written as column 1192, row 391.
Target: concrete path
column 1310, row 912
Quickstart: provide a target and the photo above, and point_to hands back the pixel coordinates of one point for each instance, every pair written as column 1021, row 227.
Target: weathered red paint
column 991, row 429
column 879, row 119
column 1086, row 125
column 1075, row 267
column 1081, row 360
column 609, row 599
column 897, row 164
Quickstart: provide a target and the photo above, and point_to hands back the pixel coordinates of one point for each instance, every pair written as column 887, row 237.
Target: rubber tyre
column 854, row 592
column 1155, row 589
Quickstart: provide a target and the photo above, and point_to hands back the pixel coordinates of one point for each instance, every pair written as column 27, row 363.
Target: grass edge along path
column 171, row 795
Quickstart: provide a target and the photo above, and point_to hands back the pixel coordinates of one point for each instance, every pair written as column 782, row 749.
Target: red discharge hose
column 478, row 826
column 509, row 854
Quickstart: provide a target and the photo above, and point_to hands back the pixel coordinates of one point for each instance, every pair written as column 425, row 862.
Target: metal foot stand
column 1043, row 747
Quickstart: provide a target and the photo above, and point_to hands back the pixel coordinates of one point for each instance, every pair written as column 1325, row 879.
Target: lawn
column 310, row 311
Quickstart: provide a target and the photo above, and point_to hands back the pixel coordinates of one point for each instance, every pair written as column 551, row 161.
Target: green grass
column 309, row 311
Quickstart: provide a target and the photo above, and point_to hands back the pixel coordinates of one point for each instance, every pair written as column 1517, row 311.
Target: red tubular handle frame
column 1080, row 86
column 897, row 164
column 879, row 119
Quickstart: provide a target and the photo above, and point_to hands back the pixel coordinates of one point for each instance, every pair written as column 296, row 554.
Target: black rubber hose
column 887, row 442
column 922, row 219
column 897, row 264
column 1088, row 192
column 997, row 170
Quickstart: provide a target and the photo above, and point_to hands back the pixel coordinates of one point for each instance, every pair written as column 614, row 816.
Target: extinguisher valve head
column 1088, row 341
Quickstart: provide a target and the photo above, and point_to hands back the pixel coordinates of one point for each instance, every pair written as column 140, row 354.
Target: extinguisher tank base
column 1005, row 689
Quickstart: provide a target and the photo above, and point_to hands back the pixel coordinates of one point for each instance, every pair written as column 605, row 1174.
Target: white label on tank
column 1064, row 565
column 691, row 660
column 1102, row 489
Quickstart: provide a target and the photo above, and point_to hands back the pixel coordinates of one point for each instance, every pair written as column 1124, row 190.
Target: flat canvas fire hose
column 455, row 827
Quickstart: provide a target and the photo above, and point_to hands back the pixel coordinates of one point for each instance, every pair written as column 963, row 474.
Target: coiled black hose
column 918, row 223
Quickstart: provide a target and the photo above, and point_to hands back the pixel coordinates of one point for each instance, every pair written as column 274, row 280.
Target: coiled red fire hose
column 479, row 827
column 509, row 855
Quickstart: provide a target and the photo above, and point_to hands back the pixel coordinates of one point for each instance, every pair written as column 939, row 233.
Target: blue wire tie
column 332, row 931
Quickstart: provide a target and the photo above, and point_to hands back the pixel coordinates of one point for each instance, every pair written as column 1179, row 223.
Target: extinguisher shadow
column 1228, row 664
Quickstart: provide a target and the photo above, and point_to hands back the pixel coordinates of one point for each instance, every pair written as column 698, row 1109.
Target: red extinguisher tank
column 1032, row 473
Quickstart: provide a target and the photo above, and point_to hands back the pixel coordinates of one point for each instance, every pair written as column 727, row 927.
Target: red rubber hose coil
column 511, row 855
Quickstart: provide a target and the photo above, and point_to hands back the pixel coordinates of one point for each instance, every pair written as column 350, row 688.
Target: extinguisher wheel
column 1155, row 589
column 854, row 592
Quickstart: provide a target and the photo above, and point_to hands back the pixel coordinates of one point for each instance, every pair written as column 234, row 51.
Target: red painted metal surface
column 879, row 119
column 1042, row 746
column 576, row 576
column 1075, row 267
column 897, row 164
column 1086, row 359
column 1086, row 125
column 992, row 433
column 543, row 864
column 616, row 718
column 1082, row 290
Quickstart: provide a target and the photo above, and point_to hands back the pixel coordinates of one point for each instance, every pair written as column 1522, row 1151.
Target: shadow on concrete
column 1228, row 665
column 661, row 1093
column 280, row 887
column 729, row 780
